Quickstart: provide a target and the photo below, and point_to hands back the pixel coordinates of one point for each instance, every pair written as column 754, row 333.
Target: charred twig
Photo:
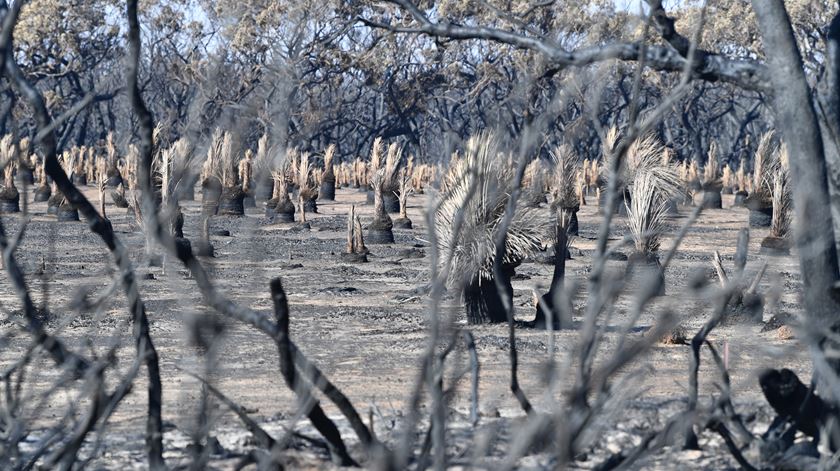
column 316, row 414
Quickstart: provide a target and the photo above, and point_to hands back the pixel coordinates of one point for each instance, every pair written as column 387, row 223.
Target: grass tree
column 403, row 222
column 231, row 200
column 306, row 185
column 473, row 199
column 534, row 184
column 326, row 192
column 647, row 214
column 390, row 181
column 778, row 242
column 113, row 176
column 565, row 203
column 280, row 207
column 43, row 191
column 211, row 184
column 742, row 184
column 263, row 180
column 711, row 183
column 765, row 165
column 9, row 195
column 380, row 230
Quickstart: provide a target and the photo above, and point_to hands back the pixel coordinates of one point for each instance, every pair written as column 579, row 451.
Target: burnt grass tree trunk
column 546, row 305
column 232, row 201
column 711, row 197
column 211, row 193
column 264, row 189
column 482, row 300
column 42, row 193
column 284, row 210
column 10, row 200
column 643, row 267
column 761, row 212
column 327, row 190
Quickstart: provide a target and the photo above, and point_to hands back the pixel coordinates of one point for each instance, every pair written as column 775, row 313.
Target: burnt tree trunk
column 482, row 300
column 797, row 120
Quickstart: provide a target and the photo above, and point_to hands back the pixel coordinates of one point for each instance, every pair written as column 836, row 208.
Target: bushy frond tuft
column 478, row 187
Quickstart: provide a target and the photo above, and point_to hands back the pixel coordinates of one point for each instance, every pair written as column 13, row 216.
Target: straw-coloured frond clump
column 645, row 155
column 564, row 177
column 710, row 178
column 328, row 177
column 778, row 241
column 403, row 222
column 765, row 166
column 782, row 199
column 711, row 182
column 9, row 195
column 646, row 214
column 390, row 178
column 280, row 207
column 534, row 184
column 477, row 191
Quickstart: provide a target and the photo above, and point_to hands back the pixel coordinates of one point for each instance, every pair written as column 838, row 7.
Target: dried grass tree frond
column 742, row 181
column 375, row 157
column 765, row 166
column 245, row 169
column 646, row 214
column 479, row 187
column 564, row 178
column 329, row 157
column 304, row 178
column 262, row 161
column 644, row 156
column 227, row 171
column 710, row 177
column 393, row 158
column 782, row 203
column 728, row 178
column 405, row 191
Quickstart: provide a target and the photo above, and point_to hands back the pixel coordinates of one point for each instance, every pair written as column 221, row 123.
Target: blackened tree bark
column 797, row 120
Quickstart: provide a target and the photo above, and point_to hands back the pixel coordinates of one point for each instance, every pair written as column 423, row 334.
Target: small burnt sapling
column 355, row 251
column 746, row 304
column 380, row 231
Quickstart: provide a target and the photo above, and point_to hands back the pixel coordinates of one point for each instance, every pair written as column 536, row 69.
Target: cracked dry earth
column 364, row 325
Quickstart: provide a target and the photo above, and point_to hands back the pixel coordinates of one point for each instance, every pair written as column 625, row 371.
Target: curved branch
column 708, row 66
